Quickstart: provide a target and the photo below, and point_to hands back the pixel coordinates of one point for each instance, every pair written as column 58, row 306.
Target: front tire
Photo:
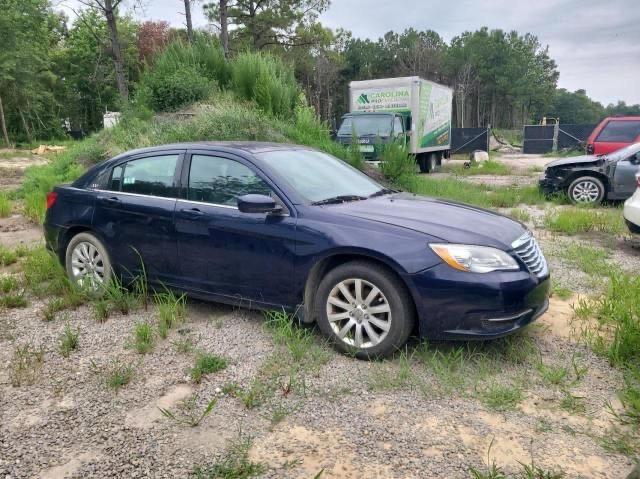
column 87, row 262
column 364, row 310
column 586, row 190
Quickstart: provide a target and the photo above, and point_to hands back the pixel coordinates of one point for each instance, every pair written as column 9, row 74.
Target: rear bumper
column 52, row 238
column 456, row 305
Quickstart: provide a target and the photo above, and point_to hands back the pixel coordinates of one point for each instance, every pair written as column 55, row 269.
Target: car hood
column 573, row 160
column 444, row 220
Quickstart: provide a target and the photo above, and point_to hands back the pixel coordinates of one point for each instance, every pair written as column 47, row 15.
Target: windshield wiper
column 339, row 199
column 383, row 191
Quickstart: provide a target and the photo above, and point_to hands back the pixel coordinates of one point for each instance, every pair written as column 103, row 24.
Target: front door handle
column 191, row 213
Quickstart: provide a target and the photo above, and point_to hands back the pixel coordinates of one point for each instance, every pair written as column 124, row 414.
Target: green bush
column 173, row 90
column 267, row 81
column 397, row 165
column 182, row 74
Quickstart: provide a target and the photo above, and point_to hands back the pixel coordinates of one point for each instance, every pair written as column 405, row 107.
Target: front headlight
column 474, row 259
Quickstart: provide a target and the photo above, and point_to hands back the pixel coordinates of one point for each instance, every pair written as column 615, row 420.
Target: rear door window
column 154, row 176
column 221, row 181
column 620, row 131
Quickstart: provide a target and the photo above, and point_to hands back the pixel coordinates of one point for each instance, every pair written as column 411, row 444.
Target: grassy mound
column 222, row 117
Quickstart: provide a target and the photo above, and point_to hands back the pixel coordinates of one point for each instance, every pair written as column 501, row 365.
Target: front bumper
column 550, row 186
column 457, row 305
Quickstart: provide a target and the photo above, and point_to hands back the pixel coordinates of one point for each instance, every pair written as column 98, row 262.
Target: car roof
column 622, row 118
column 252, row 147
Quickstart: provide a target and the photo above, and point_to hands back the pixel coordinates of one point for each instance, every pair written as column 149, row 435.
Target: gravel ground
column 350, row 421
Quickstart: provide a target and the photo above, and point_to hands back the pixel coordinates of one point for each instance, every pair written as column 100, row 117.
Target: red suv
column 613, row 133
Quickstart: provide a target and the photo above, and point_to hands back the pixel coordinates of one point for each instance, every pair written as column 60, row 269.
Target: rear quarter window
column 620, row 131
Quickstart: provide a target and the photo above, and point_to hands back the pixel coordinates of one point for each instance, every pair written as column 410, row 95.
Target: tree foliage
column 53, row 71
column 260, row 24
column 28, row 30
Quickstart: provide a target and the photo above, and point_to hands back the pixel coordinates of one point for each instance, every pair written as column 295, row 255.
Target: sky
column 595, row 43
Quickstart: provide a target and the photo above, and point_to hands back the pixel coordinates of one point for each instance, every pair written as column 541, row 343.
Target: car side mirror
column 258, row 204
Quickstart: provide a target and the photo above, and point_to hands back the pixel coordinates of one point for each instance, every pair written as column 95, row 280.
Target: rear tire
column 428, row 162
column 364, row 310
column 87, row 262
column 586, row 190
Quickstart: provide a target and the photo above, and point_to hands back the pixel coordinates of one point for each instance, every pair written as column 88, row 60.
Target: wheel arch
column 586, row 173
column 326, row 264
column 67, row 235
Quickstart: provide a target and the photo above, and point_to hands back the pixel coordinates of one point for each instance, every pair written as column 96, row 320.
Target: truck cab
column 372, row 129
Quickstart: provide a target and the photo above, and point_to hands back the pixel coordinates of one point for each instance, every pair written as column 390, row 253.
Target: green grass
column 521, row 215
column 615, row 334
column 143, row 338
column 171, row 311
column 13, row 301
column 25, row 364
column 591, row 260
column 101, row 310
column 52, row 307
column 489, row 167
column 115, row 374
column 575, row 220
column 5, row 205
column 184, row 345
column 206, row 363
column 233, row 464
column 561, row 291
column 8, row 284
column 501, row 397
column 68, row 340
column 491, row 470
column 474, row 194
column 121, row 298
column 564, row 153
column 553, row 374
column 7, row 256
column 187, row 414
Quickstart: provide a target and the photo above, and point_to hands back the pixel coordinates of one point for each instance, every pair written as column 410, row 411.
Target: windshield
column 625, row 152
column 366, row 125
column 317, row 177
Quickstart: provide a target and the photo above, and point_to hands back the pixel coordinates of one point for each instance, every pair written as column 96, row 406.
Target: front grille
column 527, row 249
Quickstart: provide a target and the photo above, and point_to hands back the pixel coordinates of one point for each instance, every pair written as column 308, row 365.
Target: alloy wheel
column 358, row 313
column 87, row 265
column 585, row 192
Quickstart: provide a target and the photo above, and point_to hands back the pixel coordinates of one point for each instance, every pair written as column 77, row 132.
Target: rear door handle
column 112, row 200
column 191, row 213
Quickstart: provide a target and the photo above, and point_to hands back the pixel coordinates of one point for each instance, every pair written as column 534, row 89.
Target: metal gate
column 466, row 140
column 547, row 138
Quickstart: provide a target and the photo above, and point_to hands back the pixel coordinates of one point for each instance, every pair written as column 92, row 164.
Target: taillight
column 51, row 199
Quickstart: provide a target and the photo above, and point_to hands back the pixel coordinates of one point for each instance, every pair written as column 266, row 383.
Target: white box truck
column 406, row 109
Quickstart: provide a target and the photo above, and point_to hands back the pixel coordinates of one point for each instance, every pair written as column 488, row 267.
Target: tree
column 187, row 14
column 109, row 9
column 223, row 14
column 83, row 60
column 26, row 80
column 574, row 107
column 152, row 38
column 264, row 23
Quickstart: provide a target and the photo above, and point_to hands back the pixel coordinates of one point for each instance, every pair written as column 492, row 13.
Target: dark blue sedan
column 276, row 226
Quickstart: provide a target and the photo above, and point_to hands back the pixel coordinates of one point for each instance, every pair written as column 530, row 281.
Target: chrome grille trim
column 527, row 249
